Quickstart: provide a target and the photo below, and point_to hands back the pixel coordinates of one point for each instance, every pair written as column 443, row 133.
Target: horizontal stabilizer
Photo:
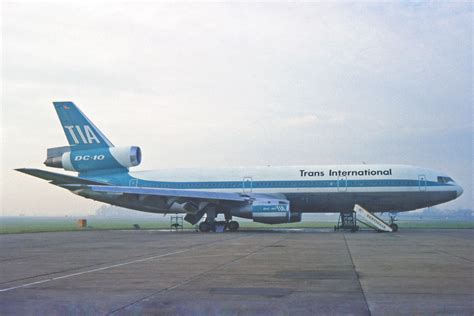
column 222, row 196
column 56, row 178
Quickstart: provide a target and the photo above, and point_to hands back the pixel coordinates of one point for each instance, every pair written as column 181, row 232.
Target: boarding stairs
column 370, row 219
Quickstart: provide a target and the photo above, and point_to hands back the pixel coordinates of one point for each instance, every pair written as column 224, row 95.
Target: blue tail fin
column 80, row 132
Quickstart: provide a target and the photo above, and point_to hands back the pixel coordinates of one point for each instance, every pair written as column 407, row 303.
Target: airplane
column 270, row 195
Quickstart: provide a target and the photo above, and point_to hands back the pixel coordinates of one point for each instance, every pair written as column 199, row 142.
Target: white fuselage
column 328, row 188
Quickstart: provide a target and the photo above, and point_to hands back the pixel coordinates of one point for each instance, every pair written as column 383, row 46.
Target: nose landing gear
column 393, row 218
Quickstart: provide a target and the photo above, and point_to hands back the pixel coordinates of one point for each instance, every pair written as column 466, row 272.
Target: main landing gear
column 207, row 226
column 210, row 224
column 229, row 224
column 233, row 226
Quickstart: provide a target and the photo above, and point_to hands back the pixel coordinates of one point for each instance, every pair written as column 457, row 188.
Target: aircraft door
column 342, row 184
column 422, row 182
column 133, row 183
column 247, row 184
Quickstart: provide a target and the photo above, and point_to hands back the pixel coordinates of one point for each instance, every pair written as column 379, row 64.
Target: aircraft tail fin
column 80, row 132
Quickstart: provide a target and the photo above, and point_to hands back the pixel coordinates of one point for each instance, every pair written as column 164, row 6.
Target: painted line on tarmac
column 209, row 256
column 92, row 270
column 192, row 278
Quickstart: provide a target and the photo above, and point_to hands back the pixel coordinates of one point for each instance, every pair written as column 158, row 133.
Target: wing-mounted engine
column 269, row 211
column 93, row 159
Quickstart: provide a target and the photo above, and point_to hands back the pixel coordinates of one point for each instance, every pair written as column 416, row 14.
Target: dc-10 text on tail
column 265, row 194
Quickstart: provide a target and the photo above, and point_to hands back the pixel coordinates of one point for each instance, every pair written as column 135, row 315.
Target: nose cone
column 459, row 190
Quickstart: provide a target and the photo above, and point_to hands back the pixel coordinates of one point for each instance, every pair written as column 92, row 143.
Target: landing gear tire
column 205, row 227
column 394, row 227
column 233, row 226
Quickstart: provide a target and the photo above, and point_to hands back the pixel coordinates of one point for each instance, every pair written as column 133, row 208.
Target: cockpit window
column 445, row 179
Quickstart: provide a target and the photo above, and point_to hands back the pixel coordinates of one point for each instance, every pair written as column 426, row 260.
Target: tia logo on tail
column 87, row 136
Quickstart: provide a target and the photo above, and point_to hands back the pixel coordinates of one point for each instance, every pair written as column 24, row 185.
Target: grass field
column 14, row 225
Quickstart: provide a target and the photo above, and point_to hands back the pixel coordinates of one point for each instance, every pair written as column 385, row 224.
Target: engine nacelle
column 271, row 211
column 94, row 159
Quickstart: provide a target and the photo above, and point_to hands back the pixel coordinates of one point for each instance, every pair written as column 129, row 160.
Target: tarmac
column 273, row 272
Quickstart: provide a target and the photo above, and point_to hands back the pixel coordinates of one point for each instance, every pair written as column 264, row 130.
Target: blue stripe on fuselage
column 125, row 179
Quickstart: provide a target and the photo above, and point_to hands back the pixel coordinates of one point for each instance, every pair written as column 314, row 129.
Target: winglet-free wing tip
column 57, row 178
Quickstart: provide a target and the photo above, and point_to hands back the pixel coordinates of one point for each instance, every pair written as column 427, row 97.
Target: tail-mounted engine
column 93, row 159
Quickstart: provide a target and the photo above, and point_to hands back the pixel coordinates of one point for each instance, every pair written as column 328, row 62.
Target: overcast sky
column 238, row 84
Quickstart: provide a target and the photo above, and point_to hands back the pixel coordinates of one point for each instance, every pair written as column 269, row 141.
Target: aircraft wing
column 56, row 178
column 75, row 183
column 143, row 191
